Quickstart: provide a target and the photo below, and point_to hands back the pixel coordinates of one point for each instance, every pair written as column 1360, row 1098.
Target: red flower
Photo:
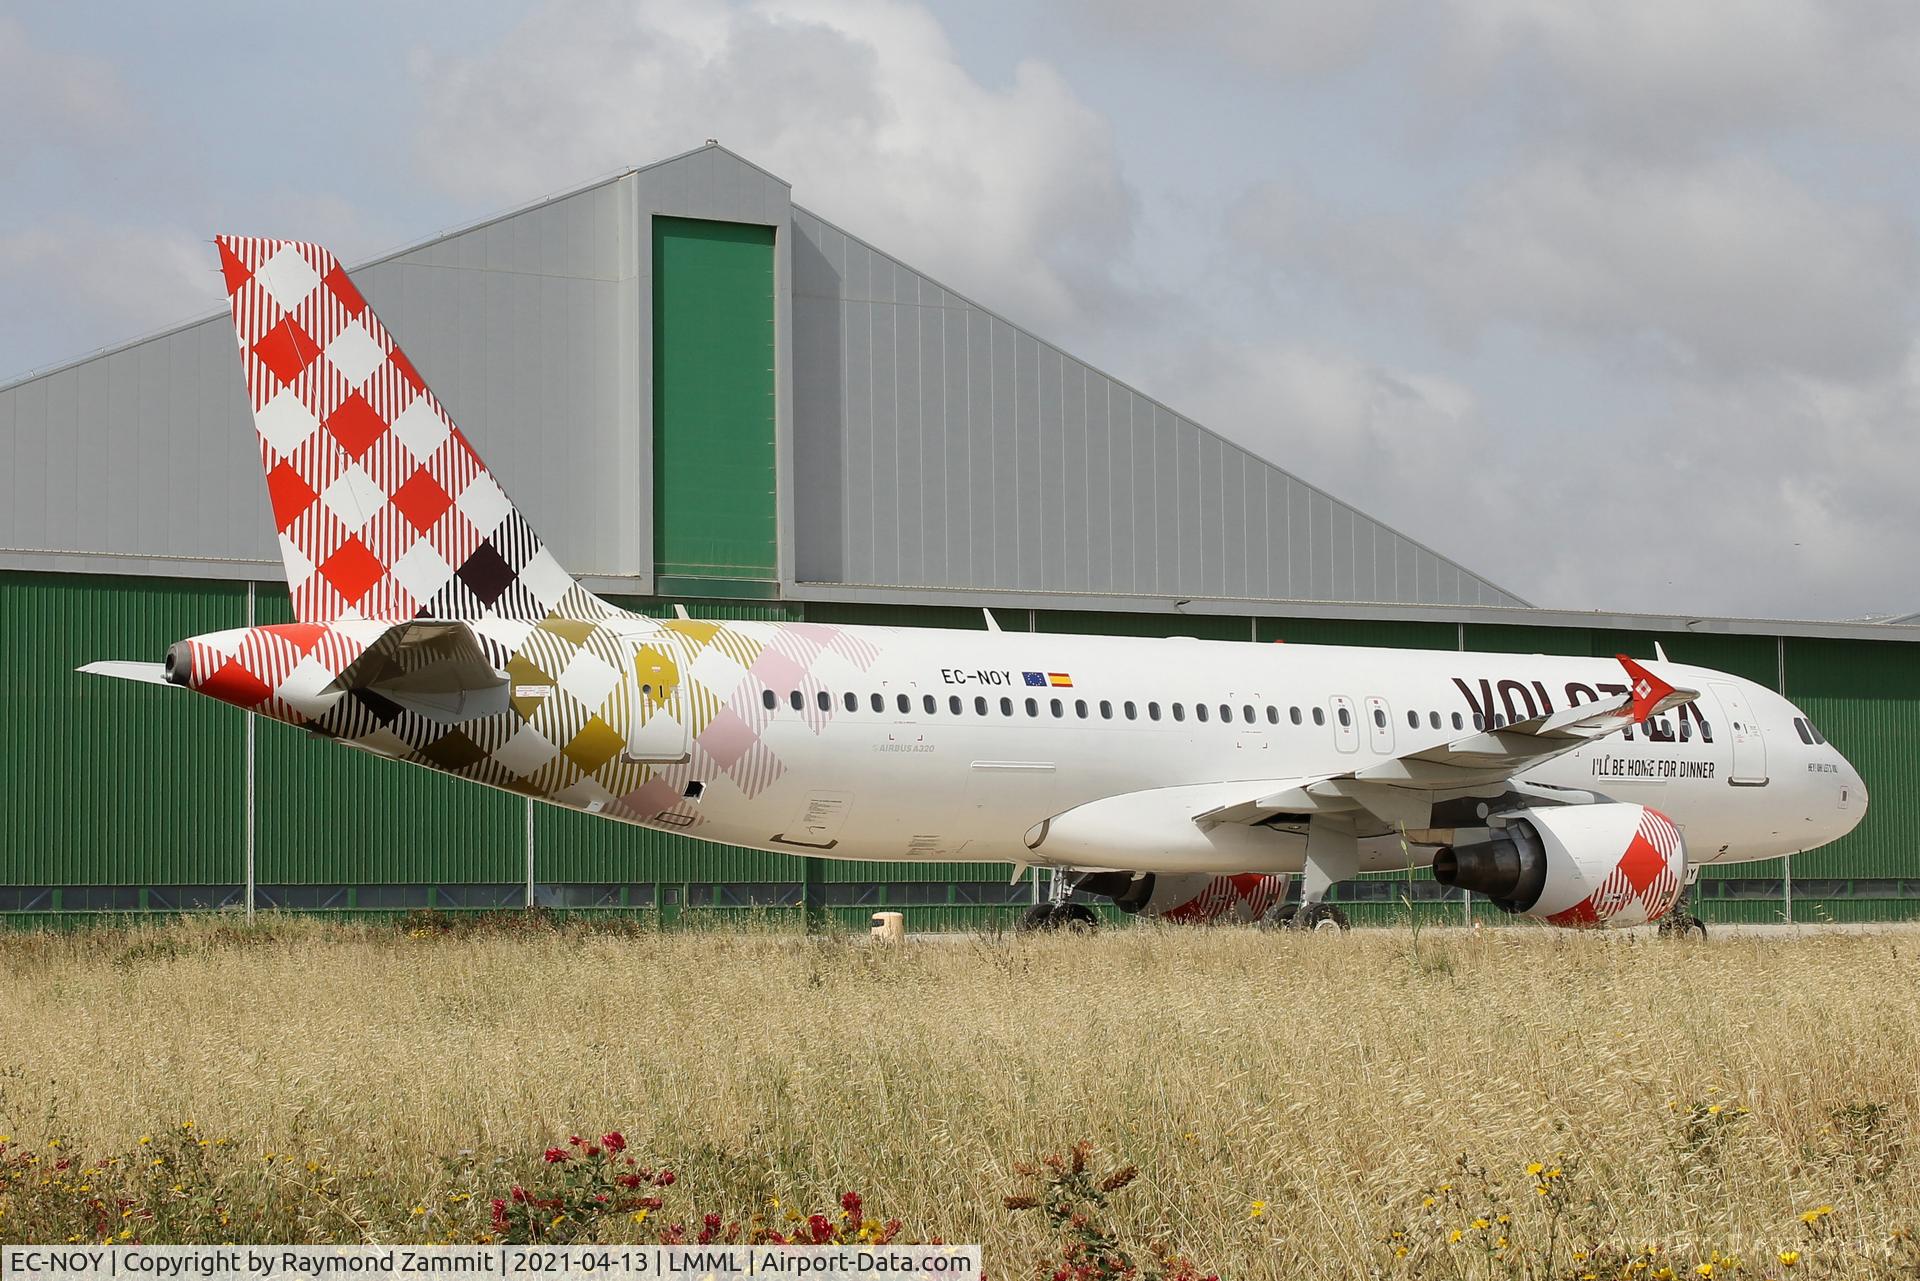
column 614, row 1141
column 850, row 1202
column 577, row 1141
column 592, row 1151
column 519, row 1193
column 499, row 1215
column 651, row 1203
column 821, row 1229
column 628, row 1181
column 664, row 1179
column 556, row 1156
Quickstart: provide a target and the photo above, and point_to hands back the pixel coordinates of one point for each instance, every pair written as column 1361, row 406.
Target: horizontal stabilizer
column 121, row 669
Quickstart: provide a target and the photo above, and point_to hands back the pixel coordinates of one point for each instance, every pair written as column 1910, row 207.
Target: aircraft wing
column 1403, row 790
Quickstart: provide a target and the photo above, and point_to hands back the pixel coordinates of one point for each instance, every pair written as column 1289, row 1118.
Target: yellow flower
column 1705, row 1270
column 1455, row 1235
column 1428, row 1203
column 1481, row 1225
column 1257, row 1209
column 1789, row 1258
column 1663, row 1274
column 419, row 1210
column 1500, row 1243
column 1535, row 1167
column 186, row 1125
column 639, row 1216
column 1816, row 1214
column 1713, row 1109
column 145, row 1139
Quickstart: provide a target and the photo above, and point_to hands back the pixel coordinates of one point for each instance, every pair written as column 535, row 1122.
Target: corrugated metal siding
column 1866, row 699
column 938, row 445
column 713, row 400
column 570, row 846
column 1339, row 631
column 328, row 815
column 109, row 782
column 1199, row 626
column 526, row 328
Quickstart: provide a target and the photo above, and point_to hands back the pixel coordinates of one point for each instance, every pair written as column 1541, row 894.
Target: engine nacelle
column 1613, row 864
column 1189, row 897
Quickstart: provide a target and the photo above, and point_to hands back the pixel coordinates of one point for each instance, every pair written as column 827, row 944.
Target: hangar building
column 702, row 392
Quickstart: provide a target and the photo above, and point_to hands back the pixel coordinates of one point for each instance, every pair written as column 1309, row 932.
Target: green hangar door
column 713, row 400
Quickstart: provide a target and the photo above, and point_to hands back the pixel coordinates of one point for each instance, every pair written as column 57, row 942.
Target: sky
column 1614, row 303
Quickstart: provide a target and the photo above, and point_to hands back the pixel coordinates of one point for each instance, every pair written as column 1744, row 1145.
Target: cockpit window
column 1801, row 728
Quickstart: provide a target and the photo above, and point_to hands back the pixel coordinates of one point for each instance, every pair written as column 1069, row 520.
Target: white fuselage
column 946, row 751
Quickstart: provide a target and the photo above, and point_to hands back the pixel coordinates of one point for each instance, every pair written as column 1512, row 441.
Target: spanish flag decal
column 1059, row 680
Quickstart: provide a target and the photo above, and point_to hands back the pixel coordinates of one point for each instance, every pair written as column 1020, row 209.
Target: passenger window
column 979, row 707
column 1379, row 719
column 769, row 699
column 926, row 701
column 953, row 704
column 1686, row 729
column 1413, row 720
column 1056, row 707
column 1434, row 718
column 1460, row 724
column 1179, row 712
column 1153, row 711
column 852, row 701
column 1033, row 707
column 1246, row 713
column 1226, row 714
column 825, row 700
column 1080, row 708
column 1106, row 710
column 1006, row 707
column 906, row 704
column 1294, row 714
column 1131, row 711
column 1479, row 720
column 1346, row 718
column 879, row 702
column 1199, row 712
column 794, row 698
column 1273, row 714
column 1319, row 716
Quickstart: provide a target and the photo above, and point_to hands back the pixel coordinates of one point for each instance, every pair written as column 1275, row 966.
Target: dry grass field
column 1514, row 1103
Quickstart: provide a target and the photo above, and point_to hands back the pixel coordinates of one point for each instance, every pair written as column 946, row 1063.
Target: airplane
column 1185, row 780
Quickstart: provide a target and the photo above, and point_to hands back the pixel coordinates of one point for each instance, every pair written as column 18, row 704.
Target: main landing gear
column 1320, row 917
column 1680, row 922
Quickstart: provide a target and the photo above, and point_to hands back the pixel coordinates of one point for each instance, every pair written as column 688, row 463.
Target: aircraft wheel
column 1039, row 917
column 1279, row 916
column 1323, row 918
column 1679, row 925
column 1077, row 917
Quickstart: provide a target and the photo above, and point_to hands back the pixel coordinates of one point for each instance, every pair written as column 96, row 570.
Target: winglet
column 1647, row 689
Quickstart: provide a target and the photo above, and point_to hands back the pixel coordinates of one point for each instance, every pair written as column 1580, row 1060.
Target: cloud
column 50, row 98
column 1011, row 192
column 1649, row 77
column 1282, row 37
column 1719, row 267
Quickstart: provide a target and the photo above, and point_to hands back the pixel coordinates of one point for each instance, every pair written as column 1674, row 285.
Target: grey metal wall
column 938, row 445
column 144, row 460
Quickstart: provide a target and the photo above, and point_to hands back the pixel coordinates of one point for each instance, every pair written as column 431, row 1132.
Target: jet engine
column 1610, row 864
column 1188, row 897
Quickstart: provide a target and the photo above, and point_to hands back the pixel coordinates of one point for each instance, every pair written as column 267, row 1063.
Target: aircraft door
column 1380, row 725
column 1346, row 732
column 1743, row 731
column 658, row 726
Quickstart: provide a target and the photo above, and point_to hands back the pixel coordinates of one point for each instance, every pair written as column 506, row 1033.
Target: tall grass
column 1292, row 1103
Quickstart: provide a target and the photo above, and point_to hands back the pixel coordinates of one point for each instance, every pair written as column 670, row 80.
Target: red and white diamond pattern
column 382, row 507
column 1643, row 886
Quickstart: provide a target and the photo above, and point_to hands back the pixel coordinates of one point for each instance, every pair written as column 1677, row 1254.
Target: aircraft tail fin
column 383, row 509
